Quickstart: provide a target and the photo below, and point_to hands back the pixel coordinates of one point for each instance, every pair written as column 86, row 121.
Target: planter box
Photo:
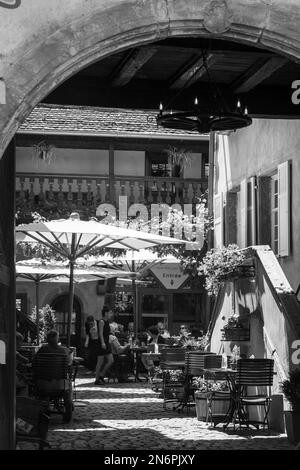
column 219, row 407
column 292, row 425
column 236, row 334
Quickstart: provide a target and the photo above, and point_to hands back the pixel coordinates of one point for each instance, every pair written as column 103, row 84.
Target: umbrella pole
column 135, row 309
column 37, row 307
column 71, row 300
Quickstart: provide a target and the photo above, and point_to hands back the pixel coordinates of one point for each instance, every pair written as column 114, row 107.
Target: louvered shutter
column 218, row 221
column 243, row 213
column 284, row 209
column 253, row 213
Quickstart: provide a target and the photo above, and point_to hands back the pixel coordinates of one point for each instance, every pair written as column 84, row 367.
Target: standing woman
column 91, row 342
column 105, row 357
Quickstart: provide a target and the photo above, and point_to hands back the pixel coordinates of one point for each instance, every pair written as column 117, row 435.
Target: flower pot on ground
column 291, row 391
column 292, row 426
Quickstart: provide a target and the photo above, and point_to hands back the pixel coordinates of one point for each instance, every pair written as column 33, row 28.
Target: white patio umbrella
column 36, row 271
column 72, row 238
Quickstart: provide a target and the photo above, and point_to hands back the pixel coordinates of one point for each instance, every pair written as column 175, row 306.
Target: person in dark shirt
column 54, row 347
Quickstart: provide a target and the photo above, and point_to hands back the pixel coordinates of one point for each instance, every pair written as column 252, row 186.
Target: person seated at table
column 155, row 338
column 130, row 331
column 54, row 347
column 121, row 354
column 162, row 331
column 120, row 333
column 184, row 336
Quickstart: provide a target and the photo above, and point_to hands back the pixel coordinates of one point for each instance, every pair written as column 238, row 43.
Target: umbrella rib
column 47, row 242
column 78, row 242
column 60, row 244
column 91, row 244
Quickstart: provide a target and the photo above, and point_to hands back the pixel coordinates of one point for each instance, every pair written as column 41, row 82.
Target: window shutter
column 243, row 213
column 253, row 213
column 284, row 209
column 218, row 221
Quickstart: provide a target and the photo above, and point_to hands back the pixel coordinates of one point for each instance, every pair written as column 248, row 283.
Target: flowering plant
column 218, row 263
column 232, row 322
column 204, row 386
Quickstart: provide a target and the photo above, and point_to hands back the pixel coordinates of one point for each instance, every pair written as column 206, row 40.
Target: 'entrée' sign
column 170, row 275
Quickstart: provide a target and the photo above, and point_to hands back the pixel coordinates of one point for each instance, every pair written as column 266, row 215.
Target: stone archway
column 42, row 45
column 39, row 56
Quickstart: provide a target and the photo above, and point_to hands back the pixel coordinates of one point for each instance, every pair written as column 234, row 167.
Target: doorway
column 61, row 305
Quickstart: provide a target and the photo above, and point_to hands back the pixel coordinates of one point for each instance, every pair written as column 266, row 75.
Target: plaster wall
column 129, row 163
column 257, row 151
column 65, row 162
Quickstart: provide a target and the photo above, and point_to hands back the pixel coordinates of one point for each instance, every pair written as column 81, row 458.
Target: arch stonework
column 43, row 44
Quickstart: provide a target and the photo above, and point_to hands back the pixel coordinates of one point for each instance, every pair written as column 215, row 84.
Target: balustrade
column 89, row 191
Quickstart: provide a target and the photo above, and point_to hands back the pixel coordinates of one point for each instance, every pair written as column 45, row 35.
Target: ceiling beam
column 257, row 73
column 193, row 72
column 132, row 64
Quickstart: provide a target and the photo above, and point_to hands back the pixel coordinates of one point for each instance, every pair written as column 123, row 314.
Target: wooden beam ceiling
column 132, row 64
column 192, row 72
column 256, row 74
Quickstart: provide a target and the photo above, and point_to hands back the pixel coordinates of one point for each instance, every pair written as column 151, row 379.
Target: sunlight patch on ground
column 123, row 400
column 121, row 391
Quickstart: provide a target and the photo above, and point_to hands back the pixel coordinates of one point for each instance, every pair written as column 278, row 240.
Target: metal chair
column 252, row 373
column 172, row 359
column 53, row 381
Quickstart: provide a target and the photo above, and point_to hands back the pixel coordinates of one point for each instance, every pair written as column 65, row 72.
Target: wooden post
column 37, row 306
column 7, row 298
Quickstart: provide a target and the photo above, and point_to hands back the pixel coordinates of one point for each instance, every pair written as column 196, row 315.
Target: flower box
column 235, row 334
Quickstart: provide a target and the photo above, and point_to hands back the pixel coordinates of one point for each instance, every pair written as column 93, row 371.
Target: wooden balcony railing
column 91, row 191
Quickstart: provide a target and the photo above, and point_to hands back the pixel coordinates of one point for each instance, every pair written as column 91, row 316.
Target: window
column 274, row 214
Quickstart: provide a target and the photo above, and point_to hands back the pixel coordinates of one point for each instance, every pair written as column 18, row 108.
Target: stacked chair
column 172, row 359
column 32, row 422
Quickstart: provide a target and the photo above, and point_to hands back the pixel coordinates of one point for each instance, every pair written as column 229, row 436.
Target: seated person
column 119, row 350
column 155, row 338
column 120, row 334
column 22, row 380
column 184, row 336
column 130, row 331
column 162, row 331
column 53, row 346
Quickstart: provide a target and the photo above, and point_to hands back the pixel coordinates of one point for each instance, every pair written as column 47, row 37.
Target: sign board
column 170, row 275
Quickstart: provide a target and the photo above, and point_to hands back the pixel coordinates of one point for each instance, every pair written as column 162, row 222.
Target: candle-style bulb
column 238, row 104
column 171, row 112
column 246, row 110
column 160, row 106
column 196, row 101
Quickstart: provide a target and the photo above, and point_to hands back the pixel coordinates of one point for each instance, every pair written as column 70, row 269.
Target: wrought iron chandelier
column 216, row 117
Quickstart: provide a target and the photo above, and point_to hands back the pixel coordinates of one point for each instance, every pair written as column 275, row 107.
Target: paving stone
column 131, row 416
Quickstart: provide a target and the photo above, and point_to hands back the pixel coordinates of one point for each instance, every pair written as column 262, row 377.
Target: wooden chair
column 52, row 379
column 253, row 373
column 32, row 412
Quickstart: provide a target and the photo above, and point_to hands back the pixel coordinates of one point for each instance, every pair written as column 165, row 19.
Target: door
column 61, row 306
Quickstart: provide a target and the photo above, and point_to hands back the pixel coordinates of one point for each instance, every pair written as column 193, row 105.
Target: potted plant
column 235, row 330
column 203, row 390
column 291, row 391
column 221, row 264
column 179, row 159
column 47, row 321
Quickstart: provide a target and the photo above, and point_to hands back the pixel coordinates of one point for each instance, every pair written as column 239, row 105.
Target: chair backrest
column 49, row 366
column 196, row 361
column 255, row 372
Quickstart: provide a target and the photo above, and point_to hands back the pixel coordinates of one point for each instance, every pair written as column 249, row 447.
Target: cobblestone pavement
column 131, row 416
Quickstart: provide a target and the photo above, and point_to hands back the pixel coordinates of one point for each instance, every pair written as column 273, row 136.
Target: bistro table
column 137, row 352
